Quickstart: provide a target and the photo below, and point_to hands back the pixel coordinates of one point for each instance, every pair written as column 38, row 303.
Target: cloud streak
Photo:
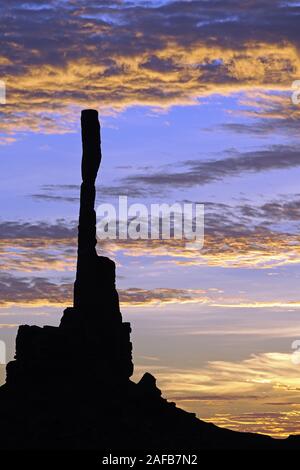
column 38, row 291
column 242, row 236
column 219, row 390
column 201, row 172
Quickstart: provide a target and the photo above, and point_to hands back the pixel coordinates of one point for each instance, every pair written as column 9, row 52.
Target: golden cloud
column 261, row 251
column 241, row 395
column 255, row 250
column 39, row 93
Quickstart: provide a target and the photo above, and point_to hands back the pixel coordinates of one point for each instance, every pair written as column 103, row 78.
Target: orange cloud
column 38, row 94
column 262, row 251
column 241, row 395
column 115, row 55
column 255, row 250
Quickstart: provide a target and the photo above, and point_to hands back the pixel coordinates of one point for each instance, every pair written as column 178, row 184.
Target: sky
column 194, row 99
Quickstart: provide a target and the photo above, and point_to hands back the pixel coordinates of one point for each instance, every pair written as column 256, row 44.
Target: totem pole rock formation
column 91, row 333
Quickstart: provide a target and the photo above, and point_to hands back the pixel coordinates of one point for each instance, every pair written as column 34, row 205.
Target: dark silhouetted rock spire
column 91, row 159
column 91, row 333
column 95, row 278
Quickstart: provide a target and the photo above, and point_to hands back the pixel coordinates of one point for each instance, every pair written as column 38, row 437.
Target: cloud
column 144, row 297
column 201, row 172
column 41, row 291
column 30, row 255
column 263, row 113
column 212, row 398
column 37, row 246
column 71, row 192
column 33, row 291
column 124, row 53
column 240, row 395
column 5, row 140
column 243, row 236
column 277, row 424
column 275, row 211
column 37, row 291
column 186, row 174
column 37, row 230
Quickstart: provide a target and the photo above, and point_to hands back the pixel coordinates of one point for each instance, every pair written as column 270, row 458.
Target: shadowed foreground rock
column 69, row 387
